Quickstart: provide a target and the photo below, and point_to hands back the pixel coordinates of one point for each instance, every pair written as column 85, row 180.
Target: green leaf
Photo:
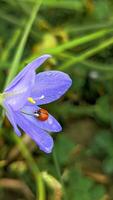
column 63, row 148
column 81, row 187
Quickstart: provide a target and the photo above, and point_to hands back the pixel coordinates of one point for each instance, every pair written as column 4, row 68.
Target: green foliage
column 79, row 35
column 103, row 109
column 103, row 147
column 81, row 187
column 63, row 149
column 102, row 9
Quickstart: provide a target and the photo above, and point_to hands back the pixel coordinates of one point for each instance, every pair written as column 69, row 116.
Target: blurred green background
column 79, row 36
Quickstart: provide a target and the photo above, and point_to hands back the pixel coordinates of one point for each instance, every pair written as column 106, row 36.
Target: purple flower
column 26, row 92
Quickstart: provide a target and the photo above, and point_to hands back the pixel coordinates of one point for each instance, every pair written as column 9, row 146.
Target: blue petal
column 50, row 125
column 50, row 86
column 17, row 97
column 10, row 116
column 41, row 137
column 20, row 88
column 30, row 67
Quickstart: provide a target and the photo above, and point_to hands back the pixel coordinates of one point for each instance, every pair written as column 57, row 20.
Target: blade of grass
column 10, row 45
column 79, row 41
column 90, row 27
column 74, row 43
column 97, row 66
column 72, row 5
column 91, row 64
column 10, row 18
column 22, row 43
column 87, row 54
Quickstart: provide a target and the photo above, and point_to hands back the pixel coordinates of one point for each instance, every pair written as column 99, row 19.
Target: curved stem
column 40, row 190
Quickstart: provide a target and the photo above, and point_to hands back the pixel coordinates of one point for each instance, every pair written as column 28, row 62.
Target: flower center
column 31, row 100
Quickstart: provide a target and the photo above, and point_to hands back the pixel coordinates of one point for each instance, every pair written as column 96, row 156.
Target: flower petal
column 50, row 86
column 50, row 125
column 19, row 93
column 41, row 137
column 10, row 116
column 30, row 67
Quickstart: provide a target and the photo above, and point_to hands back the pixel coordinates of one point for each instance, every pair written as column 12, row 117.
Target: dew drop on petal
column 50, row 121
column 42, row 97
column 59, row 92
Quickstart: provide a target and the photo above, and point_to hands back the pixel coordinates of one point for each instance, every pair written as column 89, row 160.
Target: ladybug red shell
column 41, row 114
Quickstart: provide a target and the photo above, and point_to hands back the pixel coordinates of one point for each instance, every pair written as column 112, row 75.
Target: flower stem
column 14, row 69
column 59, row 172
column 40, row 195
column 1, row 98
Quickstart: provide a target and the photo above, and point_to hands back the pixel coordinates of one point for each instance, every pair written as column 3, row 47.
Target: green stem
column 1, row 98
column 73, row 5
column 33, row 167
column 12, row 42
column 59, row 172
column 89, row 27
column 57, row 165
column 21, row 46
column 40, row 187
column 90, row 64
column 74, row 43
column 87, row 54
column 15, row 64
column 79, row 41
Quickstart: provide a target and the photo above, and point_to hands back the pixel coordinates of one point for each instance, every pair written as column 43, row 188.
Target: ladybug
column 41, row 114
